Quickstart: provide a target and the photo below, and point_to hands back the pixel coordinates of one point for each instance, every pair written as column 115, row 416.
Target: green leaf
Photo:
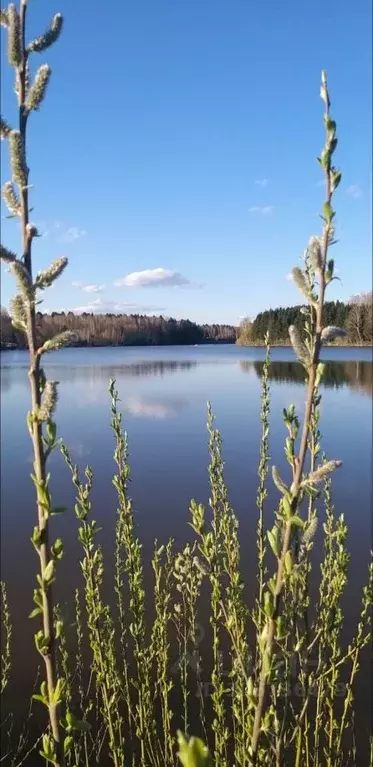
column 336, row 178
column 58, row 691
column 286, row 504
column 268, row 604
column 288, row 562
column 58, row 629
column 280, row 627
column 272, row 536
column 49, row 571
column 297, row 521
column 290, row 445
column 68, row 744
column 81, row 726
column 192, row 753
column 38, row 598
column 333, row 145
column 328, row 212
column 41, row 643
column 40, row 699
column 330, row 124
column 57, row 549
column 51, row 430
column 36, row 611
column 324, row 158
column 36, row 538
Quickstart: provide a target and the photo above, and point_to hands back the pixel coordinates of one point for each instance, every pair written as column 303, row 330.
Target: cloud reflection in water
column 152, row 408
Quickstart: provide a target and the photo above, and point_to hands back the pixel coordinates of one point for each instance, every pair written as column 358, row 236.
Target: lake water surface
column 163, row 394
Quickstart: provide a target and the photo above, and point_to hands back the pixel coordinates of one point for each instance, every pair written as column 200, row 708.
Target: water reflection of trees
column 64, row 372
column 131, row 370
column 360, row 376
column 355, row 374
column 155, row 368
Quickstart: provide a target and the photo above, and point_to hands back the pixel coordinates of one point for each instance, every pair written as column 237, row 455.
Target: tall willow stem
column 44, row 552
column 43, row 393
column 311, row 363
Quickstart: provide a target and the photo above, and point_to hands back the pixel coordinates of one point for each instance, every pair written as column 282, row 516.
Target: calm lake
column 163, row 394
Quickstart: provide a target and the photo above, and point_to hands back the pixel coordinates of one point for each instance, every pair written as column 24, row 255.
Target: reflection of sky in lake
column 163, row 395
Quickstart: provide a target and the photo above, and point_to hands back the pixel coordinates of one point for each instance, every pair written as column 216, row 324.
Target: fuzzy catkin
column 23, row 279
column 4, row 18
column 278, row 481
column 300, row 280
column 14, row 36
column 17, row 158
column 323, row 471
column 58, row 342
column 4, row 129
column 49, row 400
column 49, row 37
column 314, row 250
column 298, row 345
column 46, row 277
column 10, row 198
column 18, row 313
column 7, row 255
column 37, row 91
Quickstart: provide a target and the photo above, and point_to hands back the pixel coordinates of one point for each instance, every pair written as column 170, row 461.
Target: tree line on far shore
column 118, row 330
column 355, row 317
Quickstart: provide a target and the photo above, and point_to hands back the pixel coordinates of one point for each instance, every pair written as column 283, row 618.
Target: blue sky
column 182, row 136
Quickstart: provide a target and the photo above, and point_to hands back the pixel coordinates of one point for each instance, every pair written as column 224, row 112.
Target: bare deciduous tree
column 360, row 318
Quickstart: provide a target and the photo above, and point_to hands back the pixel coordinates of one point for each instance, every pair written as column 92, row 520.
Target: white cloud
column 264, row 210
column 71, row 234
column 64, row 232
column 98, row 306
column 88, row 288
column 354, row 191
column 289, row 277
column 153, row 278
column 263, row 182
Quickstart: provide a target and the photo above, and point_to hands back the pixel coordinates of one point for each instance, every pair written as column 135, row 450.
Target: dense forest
column 118, row 330
column 141, row 330
column 355, row 317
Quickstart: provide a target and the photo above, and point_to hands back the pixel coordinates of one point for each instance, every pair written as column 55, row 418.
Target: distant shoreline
column 283, row 345
column 256, row 345
column 125, row 346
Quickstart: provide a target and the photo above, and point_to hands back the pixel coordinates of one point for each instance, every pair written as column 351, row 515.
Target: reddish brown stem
column 36, row 435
